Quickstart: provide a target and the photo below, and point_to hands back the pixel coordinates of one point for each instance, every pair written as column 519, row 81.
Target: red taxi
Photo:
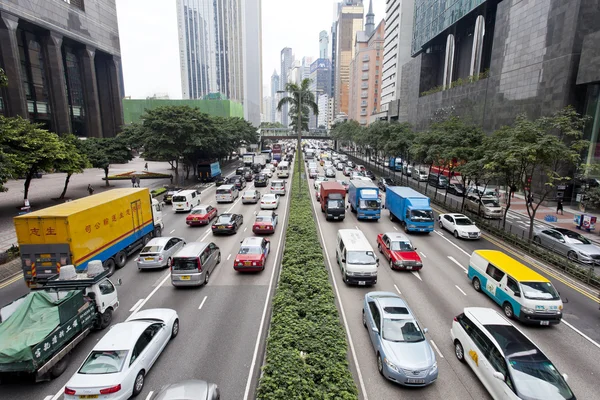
column 397, row 248
column 253, row 254
column 201, row 215
column 265, row 222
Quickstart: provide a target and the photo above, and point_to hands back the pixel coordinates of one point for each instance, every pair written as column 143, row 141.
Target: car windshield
column 400, row 246
column 104, row 362
column 490, row 202
column 574, row 238
column 263, row 219
column 151, row 249
column 250, row 250
column 335, row 204
column 539, row 291
column 224, row 219
column 179, row 199
column 421, row 215
column 463, row 221
column 369, row 204
column 360, row 257
column 199, row 211
column 402, row 330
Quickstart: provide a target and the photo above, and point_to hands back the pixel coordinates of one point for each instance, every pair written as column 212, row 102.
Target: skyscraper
column 220, row 51
column 320, row 75
column 287, row 59
column 323, row 44
column 370, row 23
column 274, row 95
column 349, row 22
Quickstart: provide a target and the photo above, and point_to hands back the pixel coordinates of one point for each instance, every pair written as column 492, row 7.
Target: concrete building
column 287, row 58
column 333, row 56
column 396, row 50
column 365, row 75
column 323, row 117
column 349, row 22
column 306, row 64
column 330, row 112
column 320, row 76
column 323, row 44
column 63, row 63
column 274, row 96
column 266, row 105
column 220, row 51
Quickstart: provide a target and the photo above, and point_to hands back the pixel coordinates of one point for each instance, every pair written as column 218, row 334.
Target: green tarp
column 35, row 319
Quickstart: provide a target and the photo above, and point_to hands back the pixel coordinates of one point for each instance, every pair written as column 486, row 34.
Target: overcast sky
column 150, row 50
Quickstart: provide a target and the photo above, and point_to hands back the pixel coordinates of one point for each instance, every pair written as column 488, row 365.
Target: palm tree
column 301, row 97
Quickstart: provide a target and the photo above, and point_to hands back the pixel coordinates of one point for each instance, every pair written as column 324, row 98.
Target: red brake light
column 109, row 390
column 69, row 391
column 199, row 266
column 230, row 226
column 456, row 319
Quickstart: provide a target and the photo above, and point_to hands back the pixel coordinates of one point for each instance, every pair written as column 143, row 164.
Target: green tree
column 3, row 78
column 102, row 152
column 401, row 139
column 276, row 125
column 299, row 95
column 75, row 160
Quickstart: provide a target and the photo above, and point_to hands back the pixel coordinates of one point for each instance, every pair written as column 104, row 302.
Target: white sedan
column 269, row 202
column 460, row 225
column 250, row 196
column 268, row 172
column 117, row 366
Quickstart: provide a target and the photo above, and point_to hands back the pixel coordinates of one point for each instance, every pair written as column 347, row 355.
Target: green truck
column 39, row 330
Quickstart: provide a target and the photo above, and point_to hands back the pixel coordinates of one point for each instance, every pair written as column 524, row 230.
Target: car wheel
column 456, row 234
column 379, row 248
column 364, row 318
column 391, row 264
column 120, row 259
column 219, row 259
column 105, row 318
column 537, row 240
column 441, row 225
column 405, row 227
column 572, row 256
column 138, row 384
column 476, row 284
column 60, row 366
column 206, row 277
column 508, row 311
column 175, row 329
column 459, row 351
column 110, row 266
column 379, row 364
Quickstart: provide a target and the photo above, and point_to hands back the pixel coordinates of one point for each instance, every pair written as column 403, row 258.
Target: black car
column 238, row 181
column 240, row 170
column 256, row 168
column 248, row 176
column 227, row 224
column 261, row 180
column 385, row 182
column 456, row 188
column 168, row 197
column 221, row 180
column 370, row 175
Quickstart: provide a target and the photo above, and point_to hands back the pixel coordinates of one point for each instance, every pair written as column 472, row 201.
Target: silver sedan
column 158, row 252
column 251, row 196
column 189, row 390
column 569, row 243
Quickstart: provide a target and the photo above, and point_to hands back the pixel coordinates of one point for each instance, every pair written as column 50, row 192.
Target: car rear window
column 152, row 249
column 250, row 250
column 179, row 199
column 263, row 219
column 223, row 191
column 224, row 219
column 199, row 211
column 185, row 263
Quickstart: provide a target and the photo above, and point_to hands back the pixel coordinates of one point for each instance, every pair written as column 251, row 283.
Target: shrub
column 158, row 192
column 306, row 348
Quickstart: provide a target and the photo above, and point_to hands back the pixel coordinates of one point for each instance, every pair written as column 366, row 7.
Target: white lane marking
column 264, row 314
column 423, row 254
column 416, row 273
column 60, row 393
column 167, row 276
column 395, row 228
column 201, row 304
column 228, row 257
column 454, row 244
column 150, row 395
column 460, row 290
column 135, row 306
column 357, row 227
column 436, row 348
column 49, row 397
column 172, row 231
column 245, row 229
column 457, row 263
column 439, row 233
column 583, row 335
column 398, row 290
column 339, row 299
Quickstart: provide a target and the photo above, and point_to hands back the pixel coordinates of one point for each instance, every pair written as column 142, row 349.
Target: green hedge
column 306, row 348
column 158, row 192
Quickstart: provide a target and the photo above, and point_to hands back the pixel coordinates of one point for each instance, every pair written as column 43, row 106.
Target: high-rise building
column 266, row 105
column 349, row 22
column 274, row 96
column 63, row 64
column 320, row 76
column 365, row 76
column 370, row 20
column 397, row 49
column 287, row 58
column 220, row 51
column 323, row 44
column 323, row 117
column 333, row 58
column 306, row 63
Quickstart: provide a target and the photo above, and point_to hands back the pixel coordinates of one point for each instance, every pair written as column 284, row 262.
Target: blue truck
column 363, row 197
column 209, row 171
column 410, row 207
column 395, row 163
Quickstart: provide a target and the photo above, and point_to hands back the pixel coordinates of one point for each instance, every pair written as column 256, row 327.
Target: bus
column 276, row 152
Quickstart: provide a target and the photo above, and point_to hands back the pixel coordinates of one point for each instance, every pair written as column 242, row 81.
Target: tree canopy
column 102, row 152
column 300, row 99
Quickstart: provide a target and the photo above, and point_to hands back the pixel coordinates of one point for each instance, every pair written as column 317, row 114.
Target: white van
column 283, row 170
column 356, row 257
column 227, row 193
column 185, row 200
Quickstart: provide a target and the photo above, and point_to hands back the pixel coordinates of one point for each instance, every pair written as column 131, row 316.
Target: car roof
column 199, row 206
column 510, row 266
column 485, row 316
column 397, row 236
column 457, row 215
column 252, row 241
column 269, row 194
column 388, row 300
column 123, row 336
column 192, row 249
column 159, row 241
column 264, row 213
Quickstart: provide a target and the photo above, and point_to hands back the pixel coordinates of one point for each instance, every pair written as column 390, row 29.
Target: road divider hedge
column 306, row 353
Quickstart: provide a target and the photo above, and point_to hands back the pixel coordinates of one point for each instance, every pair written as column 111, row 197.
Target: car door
column 266, row 247
column 385, row 248
column 551, row 239
column 494, row 276
column 215, row 252
column 139, row 356
column 159, row 338
column 500, row 389
column 561, row 244
column 448, row 222
column 209, row 259
column 169, row 247
column 374, row 327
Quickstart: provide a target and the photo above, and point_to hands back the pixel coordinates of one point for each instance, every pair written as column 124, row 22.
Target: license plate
column 336, row 217
column 422, row 230
column 184, row 278
column 544, row 322
column 408, row 267
column 247, row 263
column 149, row 258
column 362, row 283
column 221, row 227
column 88, row 396
column 409, row 380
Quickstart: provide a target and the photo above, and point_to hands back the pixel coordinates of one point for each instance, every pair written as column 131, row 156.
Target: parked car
column 360, row 168
column 227, row 223
column 399, row 251
column 350, row 164
column 460, row 225
column 119, row 362
column 456, row 188
column 568, row 243
column 252, row 255
column 403, row 353
column 265, row 222
column 269, row 201
column 385, row 182
column 201, row 215
column 192, row 389
column 340, row 166
column 330, row 173
column 347, row 171
column 158, row 251
column 261, row 180
column 420, row 175
column 251, row 196
column 278, row 187
column 407, row 169
column 221, row 180
column 490, row 206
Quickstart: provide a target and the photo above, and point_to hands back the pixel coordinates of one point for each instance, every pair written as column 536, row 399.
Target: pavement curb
column 10, row 269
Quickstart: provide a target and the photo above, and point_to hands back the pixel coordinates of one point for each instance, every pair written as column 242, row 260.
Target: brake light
column 160, row 258
column 230, row 226
column 110, row 390
column 199, row 266
column 456, row 319
column 69, row 391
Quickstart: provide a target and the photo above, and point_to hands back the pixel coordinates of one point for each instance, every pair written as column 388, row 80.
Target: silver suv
column 278, row 187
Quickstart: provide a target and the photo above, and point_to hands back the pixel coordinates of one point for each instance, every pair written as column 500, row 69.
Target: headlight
column 528, row 310
column 349, row 273
column 390, row 364
column 374, row 273
column 399, row 263
column 584, row 255
column 418, row 263
column 433, row 368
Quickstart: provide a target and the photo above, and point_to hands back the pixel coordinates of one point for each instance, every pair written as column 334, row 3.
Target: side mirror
column 425, row 330
column 377, row 259
column 343, row 260
column 414, row 248
column 119, row 282
column 499, row 376
column 565, row 376
column 517, row 294
column 375, row 329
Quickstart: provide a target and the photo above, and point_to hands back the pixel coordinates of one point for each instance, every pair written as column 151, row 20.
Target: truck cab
column 364, row 199
column 332, row 197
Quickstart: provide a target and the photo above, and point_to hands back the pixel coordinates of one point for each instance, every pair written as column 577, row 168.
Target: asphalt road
column 439, row 292
column 220, row 323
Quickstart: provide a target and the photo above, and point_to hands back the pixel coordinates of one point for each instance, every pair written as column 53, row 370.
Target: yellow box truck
column 107, row 226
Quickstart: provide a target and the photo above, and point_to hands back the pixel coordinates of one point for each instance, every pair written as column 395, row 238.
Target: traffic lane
column 12, row 289
column 352, row 298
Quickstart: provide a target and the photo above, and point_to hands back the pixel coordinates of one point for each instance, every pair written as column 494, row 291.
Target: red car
column 201, row 215
column 265, row 222
column 253, row 254
column 396, row 248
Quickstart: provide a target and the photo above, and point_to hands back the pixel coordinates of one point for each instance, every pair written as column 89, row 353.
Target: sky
column 150, row 49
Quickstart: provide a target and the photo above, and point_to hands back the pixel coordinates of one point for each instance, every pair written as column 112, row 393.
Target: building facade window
column 74, row 88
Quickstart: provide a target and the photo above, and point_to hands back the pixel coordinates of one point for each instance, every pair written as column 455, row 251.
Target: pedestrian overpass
column 286, row 133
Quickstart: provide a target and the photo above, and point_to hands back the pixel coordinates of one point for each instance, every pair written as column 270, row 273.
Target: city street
column 439, row 292
column 222, row 324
